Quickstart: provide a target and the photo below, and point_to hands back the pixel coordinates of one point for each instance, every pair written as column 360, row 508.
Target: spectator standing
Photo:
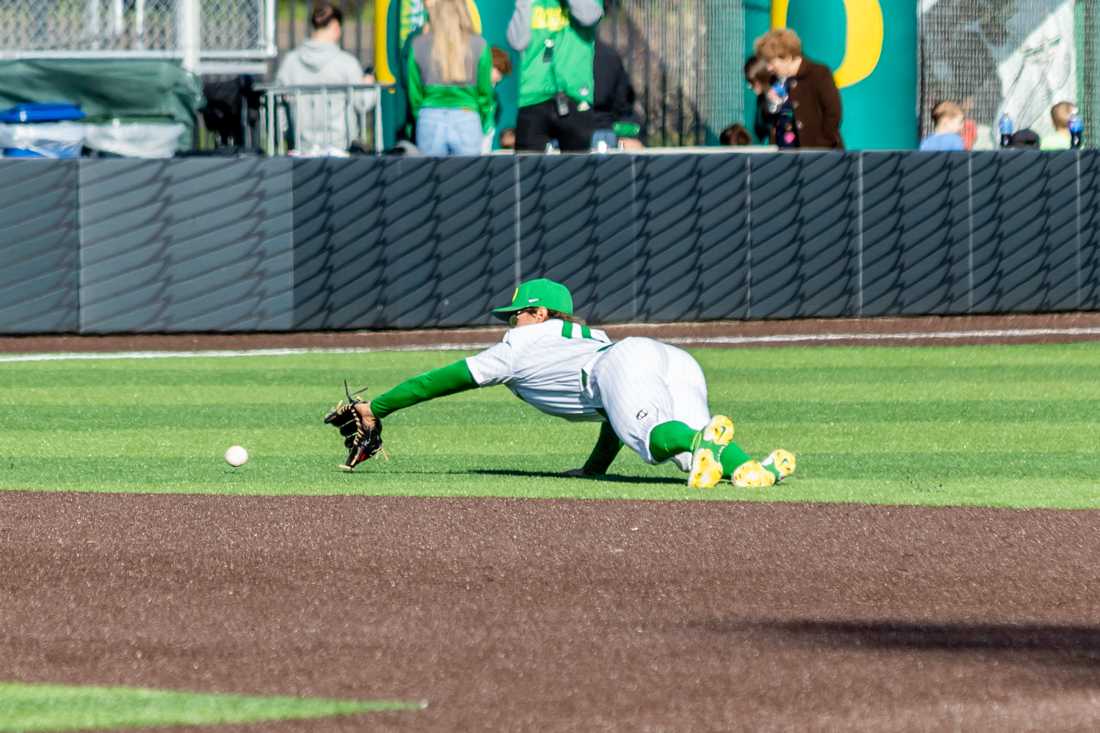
column 450, row 82
column 1060, row 139
column 613, row 101
column 948, row 118
column 557, row 42
column 324, row 120
column 760, row 80
column 812, row 97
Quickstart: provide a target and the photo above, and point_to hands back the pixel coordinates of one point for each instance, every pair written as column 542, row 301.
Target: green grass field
column 1012, row 426
column 25, row 708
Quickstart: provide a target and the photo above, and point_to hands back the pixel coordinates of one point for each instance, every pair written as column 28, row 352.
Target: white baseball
column 236, row 456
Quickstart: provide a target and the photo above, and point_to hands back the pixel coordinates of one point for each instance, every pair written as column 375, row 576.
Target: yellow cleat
column 752, row 475
column 782, row 460
column 706, row 470
column 719, row 431
column 706, row 455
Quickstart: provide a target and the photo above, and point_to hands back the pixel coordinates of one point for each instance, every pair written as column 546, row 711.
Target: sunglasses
column 515, row 316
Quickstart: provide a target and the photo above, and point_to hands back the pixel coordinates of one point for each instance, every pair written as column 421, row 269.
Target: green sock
column 732, row 457
column 670, row 438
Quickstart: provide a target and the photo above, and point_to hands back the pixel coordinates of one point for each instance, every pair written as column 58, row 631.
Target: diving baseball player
column 648, row 395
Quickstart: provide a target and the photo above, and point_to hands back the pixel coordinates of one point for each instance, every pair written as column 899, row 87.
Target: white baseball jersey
column 542, row 364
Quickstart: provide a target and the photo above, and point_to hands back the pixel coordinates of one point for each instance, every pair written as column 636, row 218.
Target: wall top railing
column 316, row 119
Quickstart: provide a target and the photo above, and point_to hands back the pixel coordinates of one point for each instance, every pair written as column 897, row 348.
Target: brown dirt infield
column 563, row 616
column 888, row 331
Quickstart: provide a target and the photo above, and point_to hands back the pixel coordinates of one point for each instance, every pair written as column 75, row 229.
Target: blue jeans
column 442, row 131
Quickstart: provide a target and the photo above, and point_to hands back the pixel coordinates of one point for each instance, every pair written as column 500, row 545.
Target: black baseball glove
column 362, row 433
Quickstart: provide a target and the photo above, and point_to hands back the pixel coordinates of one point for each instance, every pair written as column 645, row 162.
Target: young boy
column 648, row 395
column 948, row 118
column 1060, row 139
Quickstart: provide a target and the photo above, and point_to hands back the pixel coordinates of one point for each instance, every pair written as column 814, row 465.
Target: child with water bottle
column 1064, row 115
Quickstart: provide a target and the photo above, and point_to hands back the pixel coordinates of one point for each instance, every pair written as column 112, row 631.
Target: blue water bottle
column 779, row 89
column 1076, row 131
column 1005, row 126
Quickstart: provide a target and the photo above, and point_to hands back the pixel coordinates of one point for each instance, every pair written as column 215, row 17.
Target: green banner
column 871, row 45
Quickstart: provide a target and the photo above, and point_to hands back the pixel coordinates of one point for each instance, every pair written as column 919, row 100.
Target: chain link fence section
column 684, row 60
column 231, row 29
column 998, row 56
column 1088, row 66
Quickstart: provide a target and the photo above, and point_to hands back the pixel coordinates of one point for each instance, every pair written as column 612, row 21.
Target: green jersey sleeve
column 484, row 91
column 441, row 382
column 416, row 84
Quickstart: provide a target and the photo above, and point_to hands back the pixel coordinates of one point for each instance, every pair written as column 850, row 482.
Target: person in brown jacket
column 807, row 94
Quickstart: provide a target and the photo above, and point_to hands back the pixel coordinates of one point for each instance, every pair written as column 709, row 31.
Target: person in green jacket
column 557, row 43
column 450, row 82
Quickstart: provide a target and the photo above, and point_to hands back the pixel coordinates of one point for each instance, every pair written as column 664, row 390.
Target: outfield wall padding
column 253, row 244
column 39, row 249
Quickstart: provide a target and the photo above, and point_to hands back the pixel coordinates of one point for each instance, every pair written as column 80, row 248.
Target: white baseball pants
column 642, row 383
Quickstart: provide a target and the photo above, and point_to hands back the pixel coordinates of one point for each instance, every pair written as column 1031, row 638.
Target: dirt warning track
column 925, row 330
column 548, row 615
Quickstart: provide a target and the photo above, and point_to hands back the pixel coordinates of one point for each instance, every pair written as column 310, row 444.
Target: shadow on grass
column 515, row 473
column 608, row 478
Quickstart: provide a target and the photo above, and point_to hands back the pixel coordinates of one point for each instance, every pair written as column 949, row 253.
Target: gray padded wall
column 39, row 247
column 101, row 246
column 576, row 226
column 692, row 230
column 1088, row 278
column 185, row 245
column 402, row 243
column 916, row 234
column 1024, row 232
column 804, row 243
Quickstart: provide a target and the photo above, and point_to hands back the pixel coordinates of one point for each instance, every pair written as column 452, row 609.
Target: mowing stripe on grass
column 46, row 707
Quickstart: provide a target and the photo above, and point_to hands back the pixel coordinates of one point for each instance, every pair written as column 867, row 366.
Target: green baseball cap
column 534, row 293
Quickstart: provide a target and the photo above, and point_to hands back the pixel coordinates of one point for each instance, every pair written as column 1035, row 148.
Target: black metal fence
column 684, row 62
